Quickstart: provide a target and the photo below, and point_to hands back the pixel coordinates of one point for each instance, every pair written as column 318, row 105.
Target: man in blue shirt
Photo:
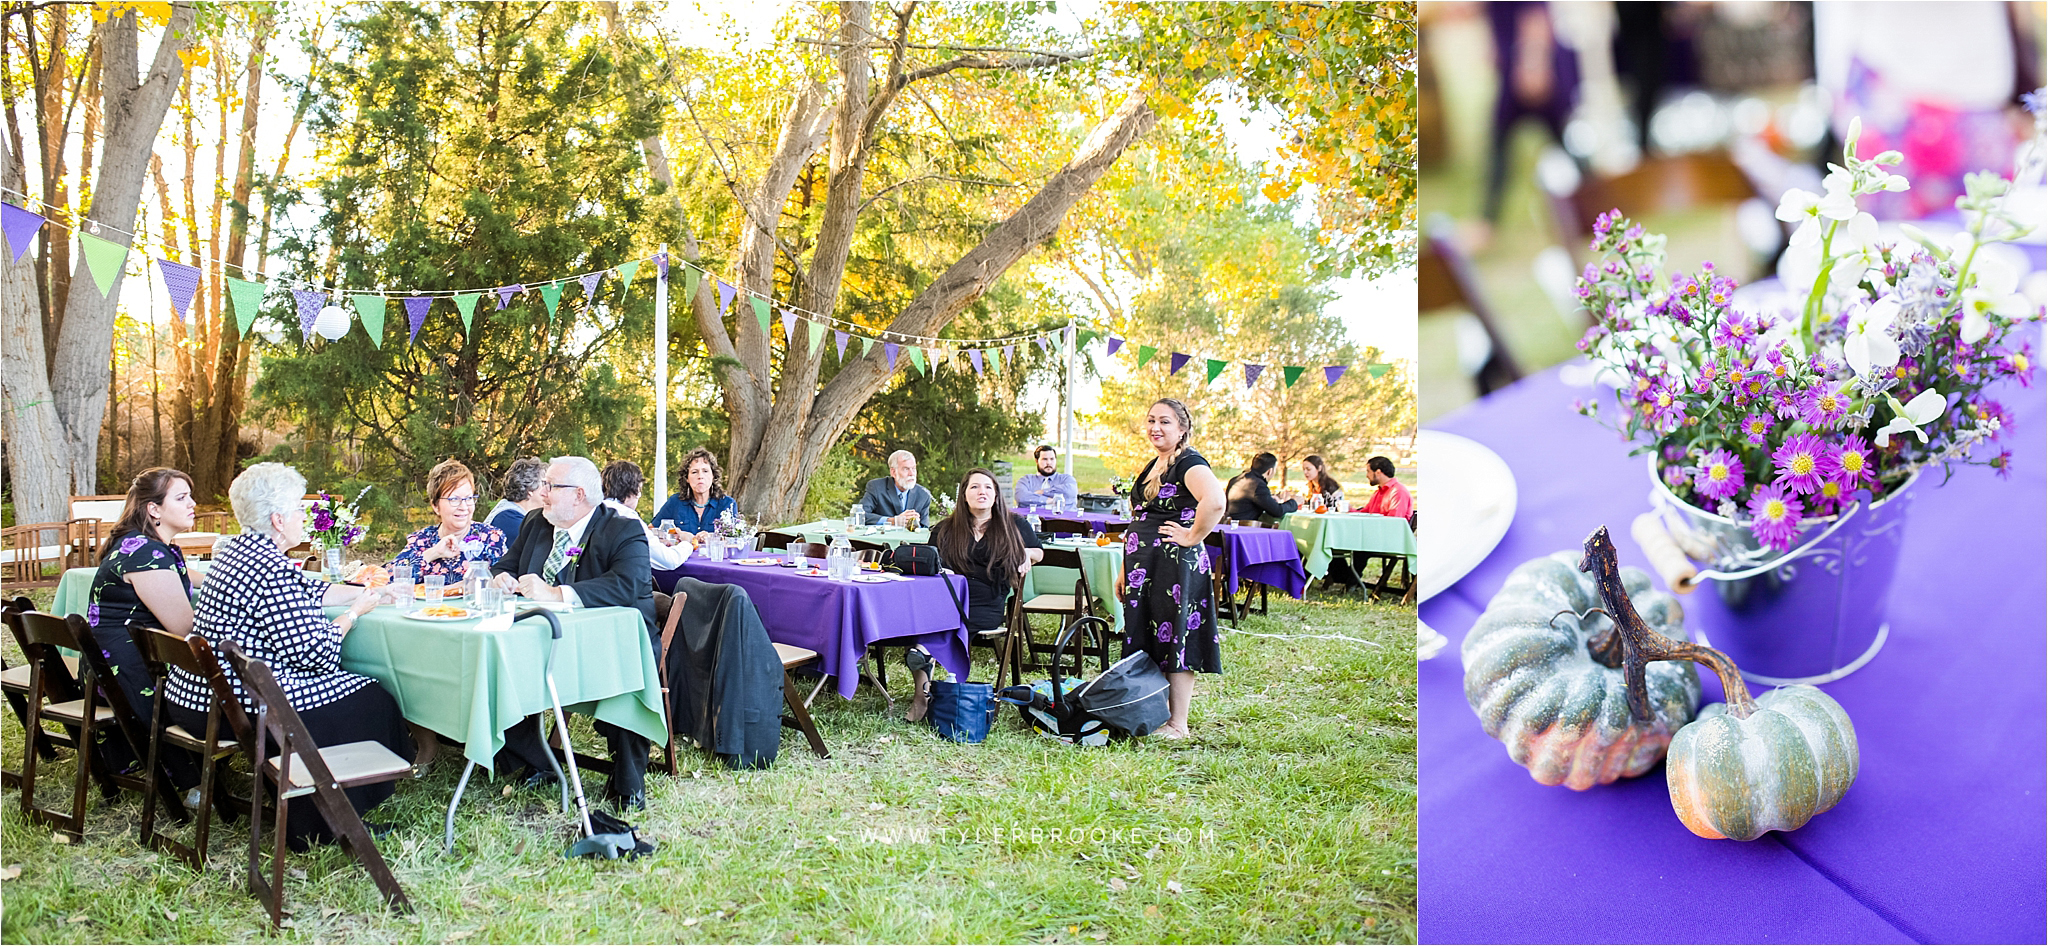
column 1036, row 490
column 898, row 499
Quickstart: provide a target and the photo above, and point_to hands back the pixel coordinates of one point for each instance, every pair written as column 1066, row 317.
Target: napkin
column 502, row 621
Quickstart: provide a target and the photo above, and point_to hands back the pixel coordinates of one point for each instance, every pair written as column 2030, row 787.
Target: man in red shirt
column 1389, row 497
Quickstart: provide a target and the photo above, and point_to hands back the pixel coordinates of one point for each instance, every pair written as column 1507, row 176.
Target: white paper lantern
column 332, row 323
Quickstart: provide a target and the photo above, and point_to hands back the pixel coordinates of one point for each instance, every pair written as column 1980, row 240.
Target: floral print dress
column 112, row 608
column 1169, row 605
column 483, row 543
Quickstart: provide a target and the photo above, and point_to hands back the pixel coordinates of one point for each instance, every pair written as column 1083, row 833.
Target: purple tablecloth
column 1940, row 839
column 839, row 620
column 1267, row 556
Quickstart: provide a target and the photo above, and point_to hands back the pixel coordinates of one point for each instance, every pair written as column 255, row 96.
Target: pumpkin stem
column 1605, row 647
column 1639, row 645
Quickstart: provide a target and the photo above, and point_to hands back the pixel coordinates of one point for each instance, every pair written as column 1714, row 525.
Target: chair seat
column 1050, row 603
column 178, row 736
column 352, row 763
column 794, row 656
column 15, row 678
column 73, row 711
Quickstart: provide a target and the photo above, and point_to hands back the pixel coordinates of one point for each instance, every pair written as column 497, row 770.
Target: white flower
column 1924, row 407
column 1993, row 294
column 1856, row 248
column 1869, row 343
column 1840, row 202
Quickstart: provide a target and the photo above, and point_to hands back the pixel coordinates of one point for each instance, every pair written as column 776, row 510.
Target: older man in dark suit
column 583, row 552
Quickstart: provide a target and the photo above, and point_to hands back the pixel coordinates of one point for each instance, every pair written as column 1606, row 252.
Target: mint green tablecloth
column 824, row 529
column 1103, row 564
column 472, row 685
column 1318, row 536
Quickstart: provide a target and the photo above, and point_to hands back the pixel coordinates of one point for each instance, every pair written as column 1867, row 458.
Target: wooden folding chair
column 1444, row 281
column 162, row 649
column 40, row 637
column 669, row 610
column 35, row 555
column 869, row 551
column 779, row 540
column 1060, row 525
column 799, row 715
column 1028, row 651
column 127, row 722
column 302, row 768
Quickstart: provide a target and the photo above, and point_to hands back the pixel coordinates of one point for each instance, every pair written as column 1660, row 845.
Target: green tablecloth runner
column 472, row 685
column 824, row 529
column 1102, row 564
column 1318, row 536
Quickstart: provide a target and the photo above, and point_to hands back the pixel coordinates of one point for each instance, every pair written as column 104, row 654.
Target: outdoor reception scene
column 645, row 472
column 1734, row 437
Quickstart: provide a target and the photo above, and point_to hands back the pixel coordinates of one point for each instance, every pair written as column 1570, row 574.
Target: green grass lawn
column 1290, row 817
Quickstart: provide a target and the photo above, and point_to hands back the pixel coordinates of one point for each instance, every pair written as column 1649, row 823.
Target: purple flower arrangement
column 334, row 524
column 1787, row 417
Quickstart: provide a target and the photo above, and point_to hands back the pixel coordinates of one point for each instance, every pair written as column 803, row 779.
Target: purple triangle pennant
column 788, row 319
column 1251, row 374
column 1331, row 373
column 505, row 294
column 661, row 264
column 1114, row 344
column 840, row 337
column 1179, row 361
column 889, row 349
column 590, row 281
column 1045, row 344
column 1070, row 336
column 310, row 302
column 974, row 355
column 726, row 291
column 183, row 282
column 1010, row 353
column 20, row 225
column 416, row 315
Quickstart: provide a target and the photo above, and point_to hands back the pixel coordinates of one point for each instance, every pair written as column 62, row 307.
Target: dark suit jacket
column 612, row 571
column 880, row 498
column 1249, row 498
column 725, row 679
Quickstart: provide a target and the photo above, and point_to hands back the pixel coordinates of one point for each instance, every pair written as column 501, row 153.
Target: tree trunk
column 134, row 111
column 35, row 437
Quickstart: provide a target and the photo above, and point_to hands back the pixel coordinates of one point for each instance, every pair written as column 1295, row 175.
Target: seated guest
column 271, row 608
column 1389, row 497
column 1321, row 485
column 446, row 547
column 588, row 554
column 522, row 495
column 141, row 583
column 990, row 546
column 623, row 482
column 898, row 499
column 1248, row 496
column 700, row 499
column 1039, row 490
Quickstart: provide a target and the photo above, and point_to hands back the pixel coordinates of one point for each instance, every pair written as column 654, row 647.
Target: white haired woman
column 256, row 597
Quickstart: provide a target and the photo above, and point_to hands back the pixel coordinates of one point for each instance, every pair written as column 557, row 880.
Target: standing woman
column 446, row 547
column 1169, row 607
column 699, row 499
column 142, row 582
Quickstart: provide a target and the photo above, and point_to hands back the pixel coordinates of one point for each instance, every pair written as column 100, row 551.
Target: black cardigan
column 1250, row 499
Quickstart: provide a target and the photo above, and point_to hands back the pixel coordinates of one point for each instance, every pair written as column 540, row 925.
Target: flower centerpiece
column 335, row 526
column 942, row 506
column 1783, row 424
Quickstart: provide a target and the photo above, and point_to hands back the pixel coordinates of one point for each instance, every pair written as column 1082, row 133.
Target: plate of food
column 813, row 572
column 871, row 566
column 757, row 562
column 441, row 612
column 419, row 590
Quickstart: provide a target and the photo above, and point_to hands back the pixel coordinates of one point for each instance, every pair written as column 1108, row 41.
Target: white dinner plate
column 814, row 572
column 464, row 616
column 757, row 561
column 1471, row 502
column 872, row 579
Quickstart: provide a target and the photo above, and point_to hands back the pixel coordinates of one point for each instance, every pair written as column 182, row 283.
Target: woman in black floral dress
column 142, row 582
column 1169, row 610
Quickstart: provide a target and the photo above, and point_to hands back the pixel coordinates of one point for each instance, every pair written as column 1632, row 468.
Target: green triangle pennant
column 1085, row 337
column 816, row 330
column 1145, row 354
column 1378, row 370
column 104, row 258
column 917, row 358
column 760, row 311
column 371, row 308
column 626, row 271
column 466, row 301
column 692, row 278
column 1291, row 374
column 552, row 295
column 1215, row 368
column 248, row 298
column 995, row 358
column 867, row 346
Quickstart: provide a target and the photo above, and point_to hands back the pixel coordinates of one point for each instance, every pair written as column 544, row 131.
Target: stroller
column 1128, row 699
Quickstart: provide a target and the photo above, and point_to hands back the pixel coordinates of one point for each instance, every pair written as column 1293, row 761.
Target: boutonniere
column 572, row 553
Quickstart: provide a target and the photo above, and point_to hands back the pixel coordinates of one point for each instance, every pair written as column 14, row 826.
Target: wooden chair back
column 868, row 547
column 127, row 717
column 668, row 609
column 162, row 650
column 778, row 540
column 1060, row 525
column 810, row 549
column 34, row 555
column 40, row 636
column 1658, row 185
column 1446, row 280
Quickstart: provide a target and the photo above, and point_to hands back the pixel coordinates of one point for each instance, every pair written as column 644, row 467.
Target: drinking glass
column 401, row 585
column 434, row 585
column 491, row 599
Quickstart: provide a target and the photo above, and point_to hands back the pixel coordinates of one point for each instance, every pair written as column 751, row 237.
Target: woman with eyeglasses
column 447, row 546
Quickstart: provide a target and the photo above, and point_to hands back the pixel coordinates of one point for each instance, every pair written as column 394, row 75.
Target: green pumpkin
column 1564, row 712
column 1791, row 758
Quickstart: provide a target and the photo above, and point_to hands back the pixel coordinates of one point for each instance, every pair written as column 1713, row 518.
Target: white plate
column 873, row 579
column 757, row 562
column 813, row 572
column 1471, row 503
column 466, row 615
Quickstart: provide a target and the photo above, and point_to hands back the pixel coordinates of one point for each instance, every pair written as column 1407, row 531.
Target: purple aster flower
column 2020, row 364
column 2003, row 464
column 1850, row 464
column 1734, row 332
column 1135, row 580
column 1800, row 463
column 1828, row 499
column 1774, row 516
column 1705, row 382
column 1663, row 406
column 1719, row 476
column 1168, row 491
column 131, row 543
column 1823, row 406
column 1756, row 427
column 1675, row 476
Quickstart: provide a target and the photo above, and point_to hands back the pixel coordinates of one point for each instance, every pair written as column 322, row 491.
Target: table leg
column 448, row 839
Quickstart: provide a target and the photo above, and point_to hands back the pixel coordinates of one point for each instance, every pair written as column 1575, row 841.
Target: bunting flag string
column 416, row 315
column 309, row 309
column 1179, row 361
column 183, row 283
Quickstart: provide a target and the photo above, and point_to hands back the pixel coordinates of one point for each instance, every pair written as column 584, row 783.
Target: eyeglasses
column 459, row 500
column 549, row 487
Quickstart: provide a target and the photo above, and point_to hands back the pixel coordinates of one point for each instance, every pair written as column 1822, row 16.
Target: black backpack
column 911, row 559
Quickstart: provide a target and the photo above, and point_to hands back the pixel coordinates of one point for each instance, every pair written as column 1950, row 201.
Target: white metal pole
column 660, row 381
column 1067, row 408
